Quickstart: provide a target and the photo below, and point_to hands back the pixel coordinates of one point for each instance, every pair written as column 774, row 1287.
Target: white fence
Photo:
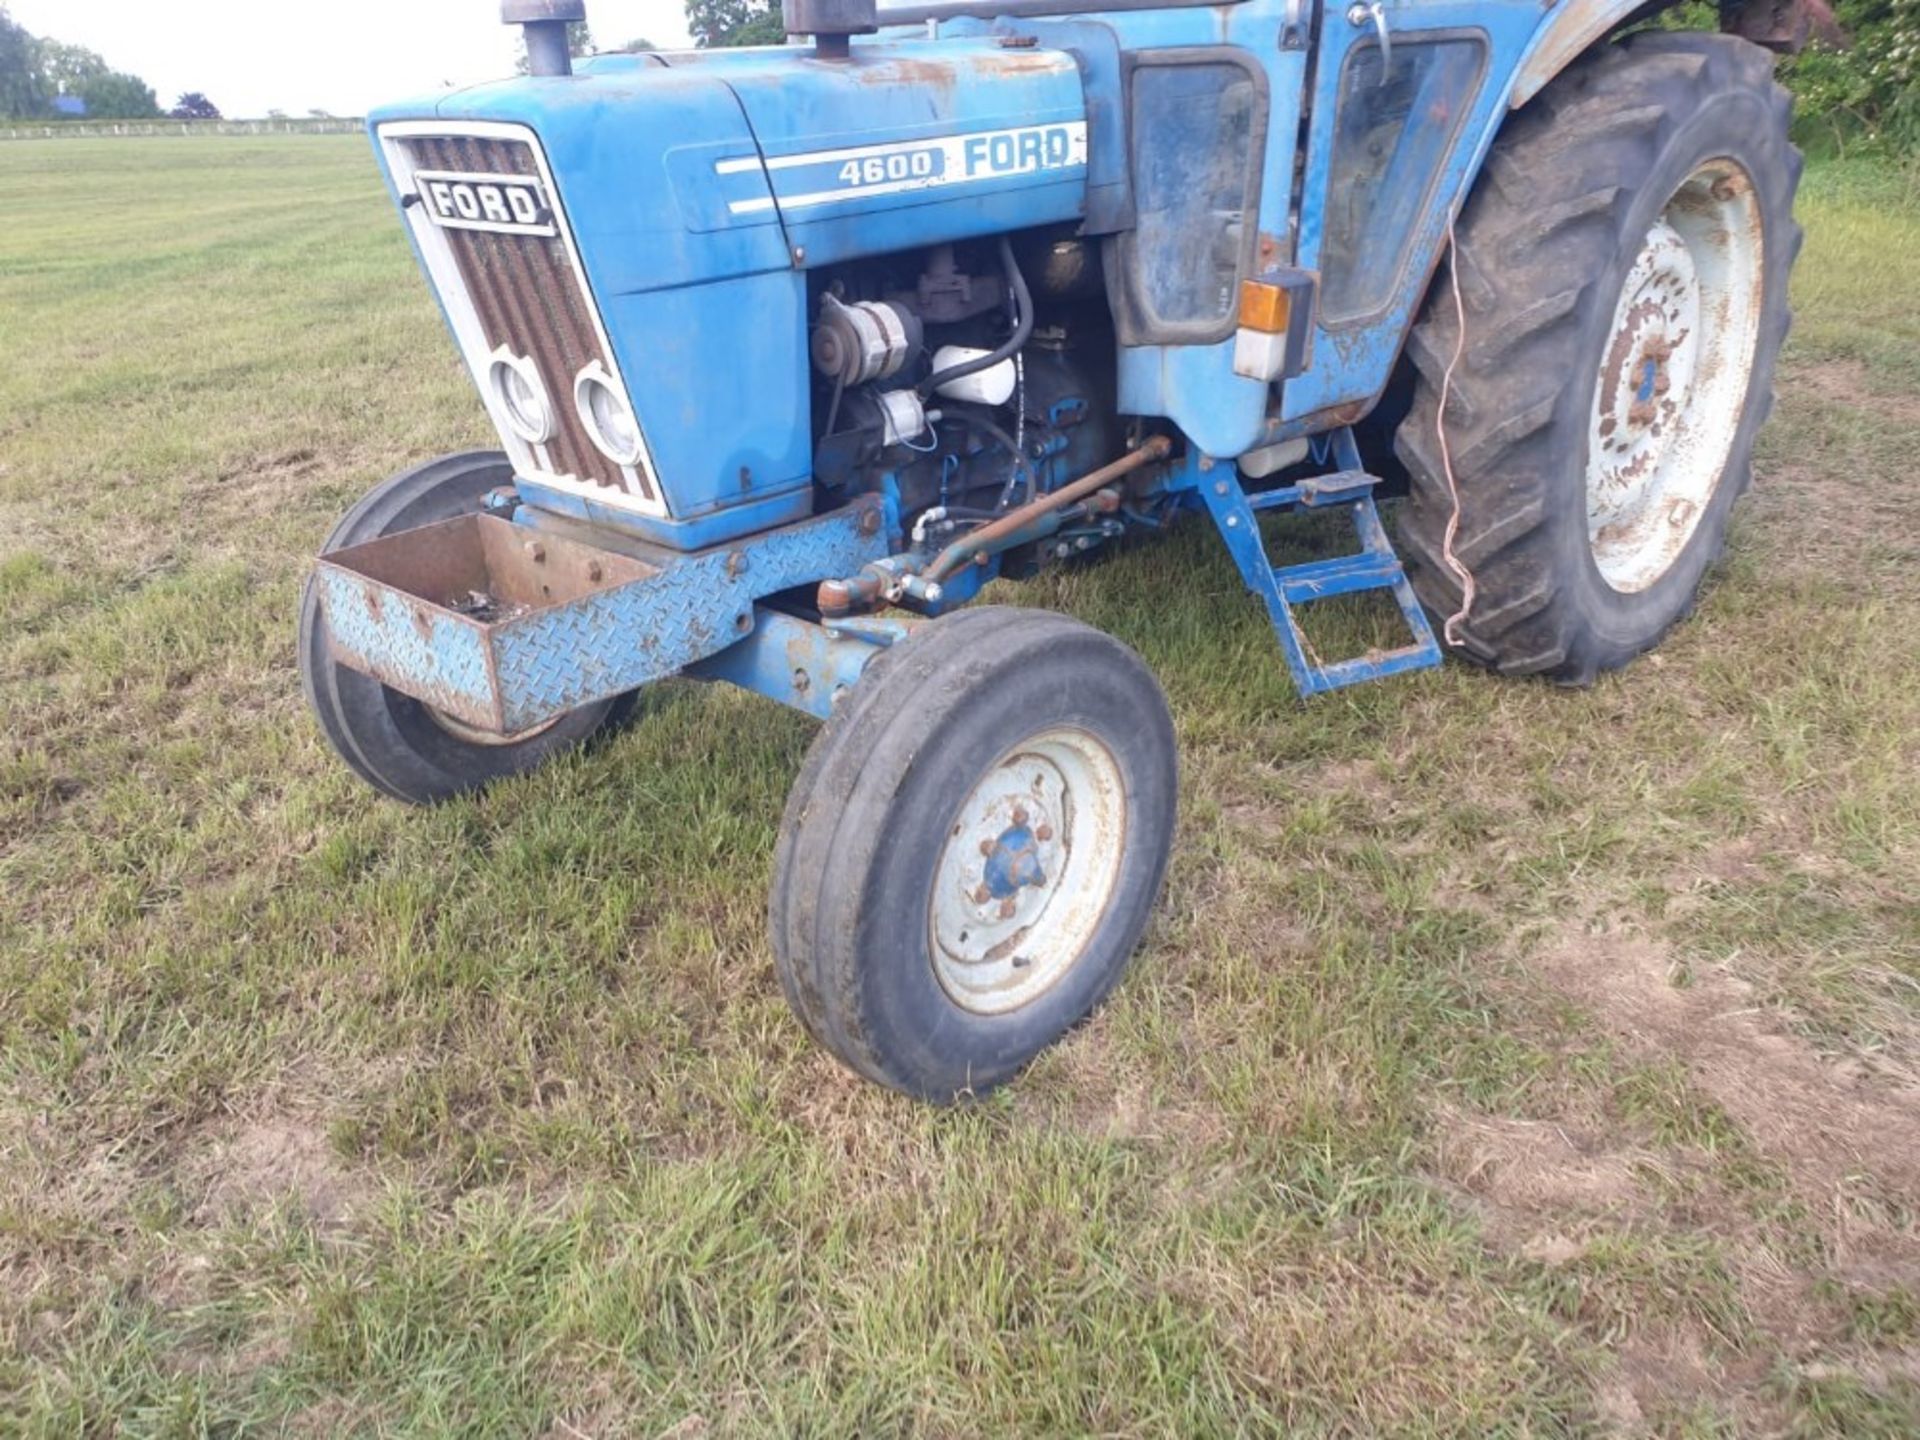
column 94, row 129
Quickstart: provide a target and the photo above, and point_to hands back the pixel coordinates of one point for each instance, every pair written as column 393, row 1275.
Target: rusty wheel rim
column 1028, row 871
column 474, row 735
column 1673, row 379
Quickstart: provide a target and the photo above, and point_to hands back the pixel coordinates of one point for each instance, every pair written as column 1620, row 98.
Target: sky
column 343, row 56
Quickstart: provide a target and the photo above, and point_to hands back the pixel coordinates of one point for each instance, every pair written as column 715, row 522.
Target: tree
column 1869, row 93
column 638, row 47
column 718, row 23
column 194, row 106
column 23, row 90
column 68, row 68
column 34, row 71
column 116, row 95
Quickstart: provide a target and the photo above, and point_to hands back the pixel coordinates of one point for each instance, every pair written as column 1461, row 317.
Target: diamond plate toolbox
column 502, row 626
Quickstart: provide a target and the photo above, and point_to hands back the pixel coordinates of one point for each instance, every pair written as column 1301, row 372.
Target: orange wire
column 1451, row 630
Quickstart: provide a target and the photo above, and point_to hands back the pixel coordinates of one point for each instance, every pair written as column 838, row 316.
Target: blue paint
column 526, row 669
column 1649, row 375
column 1352, row 364
column 804, row 664
column 1375, row 567
column 701, row 188
column 431, row 653
column 1013, row 862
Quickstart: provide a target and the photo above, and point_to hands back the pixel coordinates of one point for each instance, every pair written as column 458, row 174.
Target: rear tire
column 1598, row 429
column 390, row 740
column 971, row 851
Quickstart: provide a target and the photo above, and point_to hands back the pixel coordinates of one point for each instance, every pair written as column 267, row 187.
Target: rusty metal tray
column 464, row 615
column 503, row 624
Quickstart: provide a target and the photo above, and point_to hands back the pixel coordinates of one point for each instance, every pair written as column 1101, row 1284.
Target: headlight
column 607, row 415
column 521, row 396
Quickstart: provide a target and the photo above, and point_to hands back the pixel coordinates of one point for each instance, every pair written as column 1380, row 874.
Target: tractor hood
column 679, row 200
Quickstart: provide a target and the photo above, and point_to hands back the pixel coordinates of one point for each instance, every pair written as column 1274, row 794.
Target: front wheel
column 973, row 847
column 396, row 744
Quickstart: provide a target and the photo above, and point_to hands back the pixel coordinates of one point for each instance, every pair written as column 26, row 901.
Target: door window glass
column 1193, row 129
column 1393, row 128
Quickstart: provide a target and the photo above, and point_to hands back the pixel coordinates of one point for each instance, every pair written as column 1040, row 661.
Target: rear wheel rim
column 1673, row 379
column 1029, row 869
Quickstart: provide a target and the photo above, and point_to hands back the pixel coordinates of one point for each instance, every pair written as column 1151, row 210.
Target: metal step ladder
column 1376, row 567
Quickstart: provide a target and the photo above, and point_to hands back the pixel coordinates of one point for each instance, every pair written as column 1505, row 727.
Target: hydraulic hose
column 1022, row 330
column 961, row 551
column 984, row 425
column 1018, row 464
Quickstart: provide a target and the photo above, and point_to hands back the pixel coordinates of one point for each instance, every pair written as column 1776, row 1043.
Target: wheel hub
column 1027, row 870
column 1673, row 380
column 1649, row 365
column 1011, row 872
column 1014, row 860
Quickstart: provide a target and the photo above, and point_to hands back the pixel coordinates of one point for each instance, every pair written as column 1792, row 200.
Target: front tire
column 971, row 852
column 396, row 744
column 1623, row 265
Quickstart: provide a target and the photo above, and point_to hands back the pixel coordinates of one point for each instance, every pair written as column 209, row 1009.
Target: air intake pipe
column 544, row 24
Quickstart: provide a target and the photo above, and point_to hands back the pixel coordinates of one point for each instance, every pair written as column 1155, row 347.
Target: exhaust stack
column 830, row 23
column 544, row 24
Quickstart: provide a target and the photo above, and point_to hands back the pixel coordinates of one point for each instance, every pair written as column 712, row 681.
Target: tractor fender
column 1785, row 26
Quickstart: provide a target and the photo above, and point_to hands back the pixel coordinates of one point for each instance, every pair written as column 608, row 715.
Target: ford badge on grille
column 509, row 204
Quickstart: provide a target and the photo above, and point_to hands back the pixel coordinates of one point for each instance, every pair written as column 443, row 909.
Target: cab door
column 1212, row 133
column 1406, row 94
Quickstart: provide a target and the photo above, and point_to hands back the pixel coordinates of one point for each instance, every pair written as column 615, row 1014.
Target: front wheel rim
column 1028, row 870
column 491, row 739
column 1673, row 379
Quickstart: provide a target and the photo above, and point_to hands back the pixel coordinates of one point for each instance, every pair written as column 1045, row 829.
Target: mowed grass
column 1503, row 1059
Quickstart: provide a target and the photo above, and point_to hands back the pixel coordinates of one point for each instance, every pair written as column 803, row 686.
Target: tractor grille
column 531, row 299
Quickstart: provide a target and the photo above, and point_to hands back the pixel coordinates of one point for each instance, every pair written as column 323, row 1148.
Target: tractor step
column 1376, row 567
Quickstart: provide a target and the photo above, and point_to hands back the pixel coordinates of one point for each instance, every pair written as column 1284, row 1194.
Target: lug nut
column 986, row 847
column 1045, row 832
column 1006, row 909
column 1019, row 814
column 982, row 895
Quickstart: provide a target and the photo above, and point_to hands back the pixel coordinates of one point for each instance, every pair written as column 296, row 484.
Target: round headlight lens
column 521, row 397
column 607, row 415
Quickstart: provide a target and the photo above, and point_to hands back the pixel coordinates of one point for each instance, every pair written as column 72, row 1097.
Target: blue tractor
column 791, row 350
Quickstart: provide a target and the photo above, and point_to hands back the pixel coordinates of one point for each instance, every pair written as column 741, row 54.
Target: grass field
column 1503, row 1059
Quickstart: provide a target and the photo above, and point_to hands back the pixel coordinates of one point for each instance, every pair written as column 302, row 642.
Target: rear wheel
column 973, row 847
column 1623, row 266
column 392, row 741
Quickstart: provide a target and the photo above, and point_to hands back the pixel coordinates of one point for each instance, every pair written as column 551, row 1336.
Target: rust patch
column 1347, row 412
column 1028, row 59
column 933, row 77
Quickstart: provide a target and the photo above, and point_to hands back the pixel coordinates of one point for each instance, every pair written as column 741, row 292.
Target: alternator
column 867, row 340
